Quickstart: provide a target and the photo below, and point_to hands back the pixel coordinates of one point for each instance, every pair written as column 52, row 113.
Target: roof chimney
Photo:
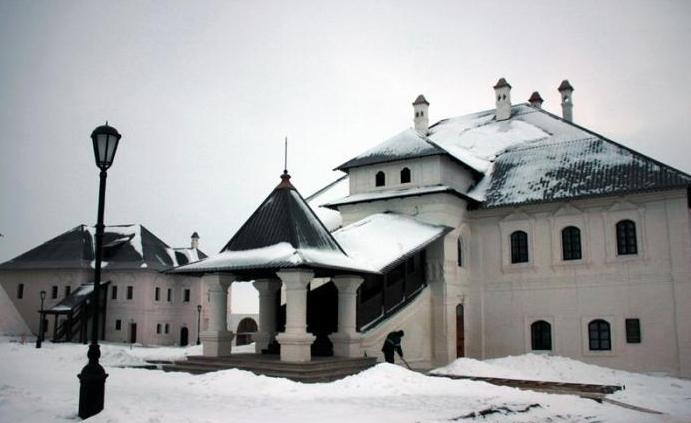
column 421, row 109
column 566, row 91
column 195, row 241
column 502, row 92
column 535, row 100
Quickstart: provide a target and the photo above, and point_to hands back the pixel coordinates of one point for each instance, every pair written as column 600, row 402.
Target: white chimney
column 502, row 93
column 566, row 91
column 536, row 100
column 195, row 241
column 421, row 109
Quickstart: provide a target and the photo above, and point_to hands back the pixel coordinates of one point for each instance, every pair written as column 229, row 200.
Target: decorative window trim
column 563, row 218
column 528, row 322
column 624, row 211
column 512, row 223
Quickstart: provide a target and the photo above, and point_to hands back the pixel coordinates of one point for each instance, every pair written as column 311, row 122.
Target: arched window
column 380, row 179
column 519, row 247
column 460, row 251
column 405, row 175
column 599, row 335
column 571, row 243
column 626, row 238
column 541, row 336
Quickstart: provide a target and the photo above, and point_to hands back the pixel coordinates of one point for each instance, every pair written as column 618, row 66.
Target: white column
column 217, row 339
column 295, row 341
column 268, row 290
column 347, row 342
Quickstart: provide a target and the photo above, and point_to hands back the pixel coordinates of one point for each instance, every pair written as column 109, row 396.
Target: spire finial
column 285, row 178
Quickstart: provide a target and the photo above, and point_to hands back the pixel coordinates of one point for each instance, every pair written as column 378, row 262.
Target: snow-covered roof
column 77, row 297
column 364, row 197
column 124, row 247
column 335, row 190
column 534, row 156
column 284, row 232
column 383, row 240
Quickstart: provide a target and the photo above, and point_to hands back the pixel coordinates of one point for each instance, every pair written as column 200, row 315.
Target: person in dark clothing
column 391, row 344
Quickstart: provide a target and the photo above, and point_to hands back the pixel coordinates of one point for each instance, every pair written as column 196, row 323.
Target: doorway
column 183, row 336
column 133, row 333
column 460, row 332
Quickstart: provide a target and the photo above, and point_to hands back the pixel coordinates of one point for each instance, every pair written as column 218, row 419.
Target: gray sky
column 204, row 92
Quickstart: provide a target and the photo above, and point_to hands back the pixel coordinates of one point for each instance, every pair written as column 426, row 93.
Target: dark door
column 183, row 336
column 133, row 333
column 460, row 332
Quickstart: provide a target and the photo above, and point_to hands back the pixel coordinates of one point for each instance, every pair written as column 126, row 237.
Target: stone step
column 320, row 370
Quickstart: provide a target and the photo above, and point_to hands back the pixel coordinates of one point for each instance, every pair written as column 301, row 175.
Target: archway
column 246, row 328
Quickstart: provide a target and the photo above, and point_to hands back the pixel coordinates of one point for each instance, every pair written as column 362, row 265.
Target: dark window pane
column 114, row 292
column 519, row 247
column 158, row 294
column 118, row 324
column 54, row 292
column 626, row 238
column 130, row 292
column 460, row 252
column 541, row 337
column 599, row 335
column 633, row 331
column 380, row 179
column 405, row 175
column 571, row 243
column 20, row 291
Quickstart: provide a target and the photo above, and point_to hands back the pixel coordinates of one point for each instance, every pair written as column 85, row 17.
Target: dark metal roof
column 552, row 171
column 565, row 85
column 420, row 100
column 124, row 247
column 502, row 83
column 284, row 216
column 535, row 98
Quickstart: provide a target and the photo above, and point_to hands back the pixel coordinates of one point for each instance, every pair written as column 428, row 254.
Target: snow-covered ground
column 41, row 386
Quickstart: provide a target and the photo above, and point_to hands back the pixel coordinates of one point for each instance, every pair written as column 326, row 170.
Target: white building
column 501, row 232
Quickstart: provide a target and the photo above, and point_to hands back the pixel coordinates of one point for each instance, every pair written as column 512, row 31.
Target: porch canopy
column 283, row 242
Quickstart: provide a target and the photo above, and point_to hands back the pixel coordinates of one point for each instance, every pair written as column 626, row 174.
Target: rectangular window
column 54, row 292
column 170, row 295
column 187, row 295
column 114, row 292
column 167, row 329
column 633, row 331
column 20, row 291
column 158, row 328
column 118, row 324
column 157, row 296
column 130, row 292
column 68, row 291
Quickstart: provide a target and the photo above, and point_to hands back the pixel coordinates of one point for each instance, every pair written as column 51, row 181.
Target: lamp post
column 199, row 319
column 39, row 339
column 92, row 379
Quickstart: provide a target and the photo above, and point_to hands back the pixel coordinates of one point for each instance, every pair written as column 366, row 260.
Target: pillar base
column 347, row 344
column 216, row 343
column 262, row 341
column 296, row 347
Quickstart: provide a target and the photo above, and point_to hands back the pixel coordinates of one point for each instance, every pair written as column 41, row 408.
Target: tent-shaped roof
column 283, row 232
column 124, row 247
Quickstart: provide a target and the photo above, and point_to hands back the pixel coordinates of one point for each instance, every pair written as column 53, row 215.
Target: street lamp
column 92, row 379
column 39, row 339
column 199, row 319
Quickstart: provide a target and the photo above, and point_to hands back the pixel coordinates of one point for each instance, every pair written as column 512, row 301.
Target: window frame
column 537, row 341
column 519, row 247
column 380, row 179
column 459, row 251
column 186, row 295
column 595, row 344
column 20, row 291
column 157, row 293
column 118, row 324
column 54, row 292
column 633, row 330
column 130, row 292
column 407, row 175
column 626, row 236
column 571, row 243
column 114, row 292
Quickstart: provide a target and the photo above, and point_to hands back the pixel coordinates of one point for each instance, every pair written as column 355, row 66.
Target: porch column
column 295, row 341
column 268, row 290
column 217, row 339
column 347, row 342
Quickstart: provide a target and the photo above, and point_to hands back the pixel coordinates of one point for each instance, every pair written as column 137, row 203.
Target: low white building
column 143, row 303
column 501, row 232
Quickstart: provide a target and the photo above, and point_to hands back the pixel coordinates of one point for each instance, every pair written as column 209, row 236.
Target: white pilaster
column 295, row 341
column 347, row 342
column 268, row 290
column 217, row 339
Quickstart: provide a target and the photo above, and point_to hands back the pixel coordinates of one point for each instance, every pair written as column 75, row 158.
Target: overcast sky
column 203, row 93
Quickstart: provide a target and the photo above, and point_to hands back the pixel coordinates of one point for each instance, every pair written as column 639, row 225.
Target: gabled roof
column 283, row 232
column 406, row 145
column 124, row 247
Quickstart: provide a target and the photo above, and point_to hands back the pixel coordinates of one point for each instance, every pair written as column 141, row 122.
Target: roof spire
column 285, row 178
